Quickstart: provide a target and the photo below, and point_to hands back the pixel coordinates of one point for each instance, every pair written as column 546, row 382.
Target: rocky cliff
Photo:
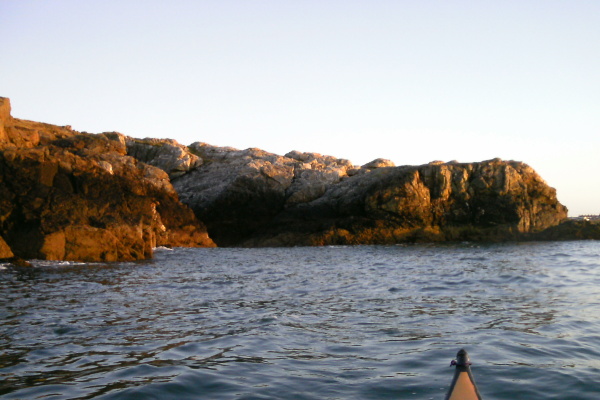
column 66, row 195
column 72, row 195
column 254, row 198
column 486, row 201
column 237, row 193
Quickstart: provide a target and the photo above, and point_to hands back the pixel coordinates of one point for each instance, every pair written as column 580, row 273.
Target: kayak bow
column 463, row 386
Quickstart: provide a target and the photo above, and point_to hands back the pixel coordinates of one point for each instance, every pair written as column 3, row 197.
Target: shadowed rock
column 238, row 192
column 570, row 230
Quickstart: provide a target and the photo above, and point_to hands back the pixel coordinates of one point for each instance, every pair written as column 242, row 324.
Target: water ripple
column 365, row 322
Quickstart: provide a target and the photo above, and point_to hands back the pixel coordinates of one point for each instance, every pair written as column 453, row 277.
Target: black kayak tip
column 463, row 385
column 462, row 358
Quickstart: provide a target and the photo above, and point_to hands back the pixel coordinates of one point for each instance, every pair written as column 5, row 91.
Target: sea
column 356, row 322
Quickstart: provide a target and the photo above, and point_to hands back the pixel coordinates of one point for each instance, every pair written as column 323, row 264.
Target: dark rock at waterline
column 16, row 262
column 570, row 230
column 66, row 195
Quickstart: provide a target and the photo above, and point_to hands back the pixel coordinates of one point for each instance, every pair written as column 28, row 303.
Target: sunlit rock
column 66, row 195
column 166, row 154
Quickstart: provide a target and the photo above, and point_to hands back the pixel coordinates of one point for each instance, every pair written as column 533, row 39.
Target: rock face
column 254, row 198
column 492, row 200
column 166, row 154
column 239, row 192
column 66, row 195
column 77, row 196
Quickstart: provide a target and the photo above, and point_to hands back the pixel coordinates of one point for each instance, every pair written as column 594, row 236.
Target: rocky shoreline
column 67, row 195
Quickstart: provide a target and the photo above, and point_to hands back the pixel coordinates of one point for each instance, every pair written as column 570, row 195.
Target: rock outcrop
column 77, row 196
column 486, row 201
column 66, row 195
column 254, row 198
column 570, row 230
column 239, row 192
column 166, row 154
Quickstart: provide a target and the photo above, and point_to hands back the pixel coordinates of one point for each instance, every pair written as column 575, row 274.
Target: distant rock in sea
column 571, row 229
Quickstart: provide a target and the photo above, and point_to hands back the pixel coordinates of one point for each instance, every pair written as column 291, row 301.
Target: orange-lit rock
column 66, row 195
column 5, row 251
column 490, row 200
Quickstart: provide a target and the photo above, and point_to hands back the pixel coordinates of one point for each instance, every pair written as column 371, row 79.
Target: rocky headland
column 68, row 195
column 254, row 198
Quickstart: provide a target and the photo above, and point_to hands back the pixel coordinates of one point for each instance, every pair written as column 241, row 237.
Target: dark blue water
column 366, row 322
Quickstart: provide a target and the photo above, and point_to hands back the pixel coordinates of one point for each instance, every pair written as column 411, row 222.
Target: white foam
column 162, row 248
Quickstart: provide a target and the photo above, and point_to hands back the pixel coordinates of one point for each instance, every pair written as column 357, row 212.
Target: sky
column 410, row 81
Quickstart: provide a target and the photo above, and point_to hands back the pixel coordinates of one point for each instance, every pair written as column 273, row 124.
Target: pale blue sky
column 411, row 81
